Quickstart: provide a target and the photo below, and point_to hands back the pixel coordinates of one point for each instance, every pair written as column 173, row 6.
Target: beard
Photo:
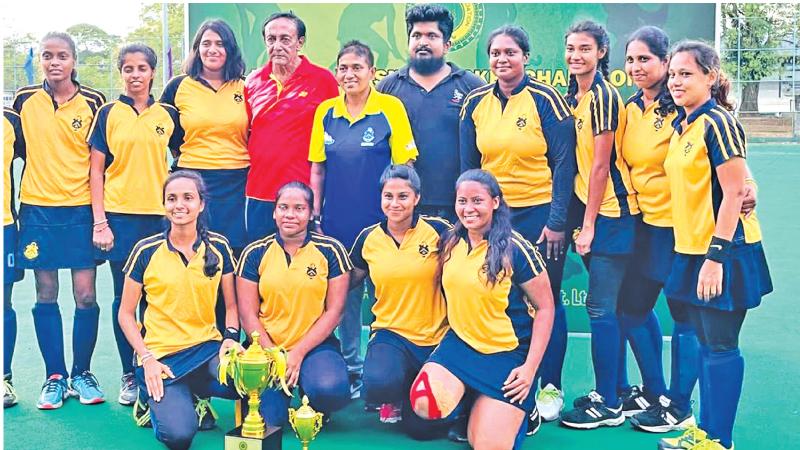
column 426, row 66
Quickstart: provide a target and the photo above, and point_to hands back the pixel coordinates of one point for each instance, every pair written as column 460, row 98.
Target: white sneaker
column 550, row 402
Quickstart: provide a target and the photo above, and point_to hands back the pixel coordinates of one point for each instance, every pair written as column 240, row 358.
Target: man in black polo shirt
column 432, row 92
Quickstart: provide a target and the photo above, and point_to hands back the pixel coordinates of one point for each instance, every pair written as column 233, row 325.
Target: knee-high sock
column 640, row 331
column 685, row 363
column 553, row 359
column 726, row 373
column 84, row 338
column 703, row 378
column 123, row 347
column 50, row 336
column 9, row 338
column 605, row 356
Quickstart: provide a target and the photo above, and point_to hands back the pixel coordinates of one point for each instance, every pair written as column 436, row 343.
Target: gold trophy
column 253, row 371
column 305, row 422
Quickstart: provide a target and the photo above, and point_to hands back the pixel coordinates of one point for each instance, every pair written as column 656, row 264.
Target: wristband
column 231, row 333
column 147, row 356
column 718, row 250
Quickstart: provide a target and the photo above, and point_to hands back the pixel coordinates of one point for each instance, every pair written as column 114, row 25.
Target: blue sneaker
column 85, row 387
column 54, row 392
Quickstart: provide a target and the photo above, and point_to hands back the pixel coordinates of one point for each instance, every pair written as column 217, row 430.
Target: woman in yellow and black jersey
column 522, row 131
column 129, row 140
column 13, row 147
column 55, row 216
column 399, row 255
column 720, row 270
column 292, row 287
column 494, row 280
column 210, row 101
column 601, row 213
column 179, row 271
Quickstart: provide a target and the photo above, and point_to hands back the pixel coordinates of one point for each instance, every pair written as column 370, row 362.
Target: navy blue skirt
column 183, row 362
column 418, row 353
column 11, row 273
column 482, row 372
column 128, row 229
column 745, row 279
column 55, row 237
column 613, row 236
column 654, row 251
column 226, row 203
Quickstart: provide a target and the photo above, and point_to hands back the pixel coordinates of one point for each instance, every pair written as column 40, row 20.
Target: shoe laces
column 52, row 385
column 86, row 378
column 204, row 407
column 594, row 397
column 693, row 435
column 128, row 380
column 8, row 388
column 144, row 413
column 706, row 444
column 548, row 395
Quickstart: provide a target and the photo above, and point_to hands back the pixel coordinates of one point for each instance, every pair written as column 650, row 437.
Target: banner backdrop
column 382, row 27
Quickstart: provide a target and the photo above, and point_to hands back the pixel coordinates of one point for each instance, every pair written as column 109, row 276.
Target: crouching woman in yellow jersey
column 399, row 255
column 720, row 270
column 291, row 287
column 494, row 280
column 177, row 343
column 129, row 139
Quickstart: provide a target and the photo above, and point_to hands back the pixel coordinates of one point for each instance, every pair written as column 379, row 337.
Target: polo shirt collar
column 372, row 107
column 638, row 98
column 46, row 87
column 130, row 102
column 598, row 78
column 172, row 248
column 705, row 107
column 385, row 223
column 455, row 71
column 520, row 87
column 279, row 239
column 301, row 68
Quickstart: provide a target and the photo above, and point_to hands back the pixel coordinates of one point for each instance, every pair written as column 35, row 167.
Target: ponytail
column 210, row 258
column 720, row 91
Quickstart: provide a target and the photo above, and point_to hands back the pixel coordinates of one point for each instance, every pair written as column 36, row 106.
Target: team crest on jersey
column 31, row 251
column 368, row 137
column 423, row 249
column 658, row 123
column 159, row 130
column 688, row 148
column 77, row 123
column 521, row 122
column 238, row 97
column 457, row 96
column 311, row 271
column 329, row 140
column 579, row 124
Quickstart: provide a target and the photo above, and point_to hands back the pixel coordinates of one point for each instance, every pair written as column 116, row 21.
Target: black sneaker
column 206, row 415
column 141, row 413
column 372, row 407
column 663, row 417
column 534, row 422
column 355, row 385
column 634, row 401
column 458, row 430
column 592, row 415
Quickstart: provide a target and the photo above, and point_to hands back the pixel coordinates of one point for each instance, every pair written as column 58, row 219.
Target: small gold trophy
column 253, row 371
column 305, row 422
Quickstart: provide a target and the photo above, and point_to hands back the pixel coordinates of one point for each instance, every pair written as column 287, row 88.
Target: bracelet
column 96, row 230
column 231, row 333
column 718, row 250
column 100, row 222
column 147, row 356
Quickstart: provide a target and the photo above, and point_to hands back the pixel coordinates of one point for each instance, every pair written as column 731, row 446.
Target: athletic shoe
column 128, row 390
column 593, row 415
column 370, row 407
column 141, row 414
column 355, row 385
column 206, row 416
column 391, row 413
column 691, row 437
column 534, row 422
column 634, row 401
column 663, row 417
column 708, row 444
column 458, row 430
column 550, row 402
column 54, row 392
column 9, row 393
column 87, row 389
column 584, row 400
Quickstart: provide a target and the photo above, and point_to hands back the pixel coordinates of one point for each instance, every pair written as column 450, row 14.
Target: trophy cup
column 253, row 371
column 305, row 422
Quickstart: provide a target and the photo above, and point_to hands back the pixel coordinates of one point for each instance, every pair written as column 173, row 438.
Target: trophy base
column 271, row 440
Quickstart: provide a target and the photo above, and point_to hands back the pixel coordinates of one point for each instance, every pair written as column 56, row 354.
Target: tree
column 751, row 34
column 96, row 57
column 15, row 53
column 150, row 33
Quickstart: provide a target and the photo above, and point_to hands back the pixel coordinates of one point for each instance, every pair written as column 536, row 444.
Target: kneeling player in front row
column 178, row 346
column 494, row 282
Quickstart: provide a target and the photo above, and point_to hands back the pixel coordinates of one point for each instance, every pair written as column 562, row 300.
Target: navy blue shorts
column 745, row 279
column 612, row 236
column 128, row 229
column 11, row 274
column 259, row 220
column 417, row 353
column 654, row 251
column 55, row 237
column 485, row 373
column 226, row 203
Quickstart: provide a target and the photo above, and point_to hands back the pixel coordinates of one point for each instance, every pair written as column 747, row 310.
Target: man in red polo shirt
column 281, row 99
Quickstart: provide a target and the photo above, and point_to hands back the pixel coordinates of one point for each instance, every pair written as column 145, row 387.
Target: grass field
column 769, row 412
